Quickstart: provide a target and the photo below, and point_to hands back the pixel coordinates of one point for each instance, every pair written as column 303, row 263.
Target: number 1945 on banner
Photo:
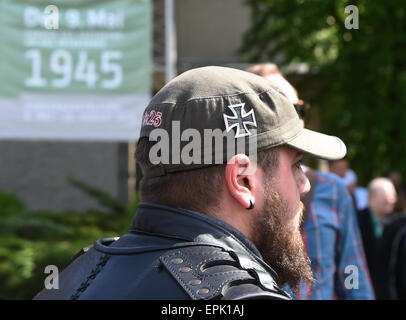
column 66, row 68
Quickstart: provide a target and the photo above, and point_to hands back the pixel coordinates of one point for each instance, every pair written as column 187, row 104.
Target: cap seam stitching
column 182, row 103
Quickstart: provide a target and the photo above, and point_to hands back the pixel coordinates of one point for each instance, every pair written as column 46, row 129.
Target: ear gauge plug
column 251, row 205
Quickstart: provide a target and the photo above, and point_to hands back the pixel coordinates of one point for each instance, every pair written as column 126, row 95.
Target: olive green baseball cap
column 245, row 107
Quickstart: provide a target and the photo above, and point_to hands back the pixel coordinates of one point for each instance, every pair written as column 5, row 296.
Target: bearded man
column 220, row 214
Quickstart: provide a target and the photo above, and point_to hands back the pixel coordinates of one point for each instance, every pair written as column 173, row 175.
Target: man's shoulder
column 365, row 220
column 364, row 212
column 331, row 178
column 331, row 184
column 211, row 272
column 396, row 224
column 189, row 270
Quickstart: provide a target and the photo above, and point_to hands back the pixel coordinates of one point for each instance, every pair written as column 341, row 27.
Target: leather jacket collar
column 190, row 226
column 182, row 224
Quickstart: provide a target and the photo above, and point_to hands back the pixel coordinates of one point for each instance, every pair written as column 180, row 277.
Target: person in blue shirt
column 332, row 238
column 329, row 228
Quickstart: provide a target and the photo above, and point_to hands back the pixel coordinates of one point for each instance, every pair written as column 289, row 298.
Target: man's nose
column 304, row 186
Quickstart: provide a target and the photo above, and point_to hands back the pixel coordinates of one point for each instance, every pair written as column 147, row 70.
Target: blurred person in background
column 381, row 202
column 394, row 243
column 329, row 227
column 397, row 180
column 394, row 258
column 339, row 167
column 358, row 194
column 400, row 206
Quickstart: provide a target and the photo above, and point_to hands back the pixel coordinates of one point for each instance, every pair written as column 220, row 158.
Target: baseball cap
column 249, row 110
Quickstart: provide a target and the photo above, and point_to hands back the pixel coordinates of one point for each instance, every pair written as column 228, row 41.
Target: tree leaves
column 359, row 73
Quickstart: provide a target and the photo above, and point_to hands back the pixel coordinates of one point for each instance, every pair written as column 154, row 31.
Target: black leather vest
column 169, row 254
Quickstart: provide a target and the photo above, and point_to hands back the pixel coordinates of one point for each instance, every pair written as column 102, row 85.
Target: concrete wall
column 210, row 31
column 37, row 171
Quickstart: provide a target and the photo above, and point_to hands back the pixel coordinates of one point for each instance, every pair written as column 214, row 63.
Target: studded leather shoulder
column 206, row 272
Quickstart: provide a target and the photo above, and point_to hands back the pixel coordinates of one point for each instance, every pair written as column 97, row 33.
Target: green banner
column 77, row 69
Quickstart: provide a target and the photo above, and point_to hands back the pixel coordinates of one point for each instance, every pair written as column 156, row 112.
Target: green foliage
column 31, row 240
column 102, row 197
column 10, row 203
column 356, row 77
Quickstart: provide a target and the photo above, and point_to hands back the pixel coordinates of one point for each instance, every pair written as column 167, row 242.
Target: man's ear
column 239, row 183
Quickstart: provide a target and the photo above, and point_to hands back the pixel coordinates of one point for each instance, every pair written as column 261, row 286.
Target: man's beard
column 282, row 249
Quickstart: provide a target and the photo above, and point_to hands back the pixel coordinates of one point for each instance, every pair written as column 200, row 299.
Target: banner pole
column 170, row 41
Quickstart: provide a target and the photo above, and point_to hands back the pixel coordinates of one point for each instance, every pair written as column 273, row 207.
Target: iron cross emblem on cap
column 240, row 120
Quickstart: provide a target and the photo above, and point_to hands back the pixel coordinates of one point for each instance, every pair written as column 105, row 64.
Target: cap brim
column 319, row 145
